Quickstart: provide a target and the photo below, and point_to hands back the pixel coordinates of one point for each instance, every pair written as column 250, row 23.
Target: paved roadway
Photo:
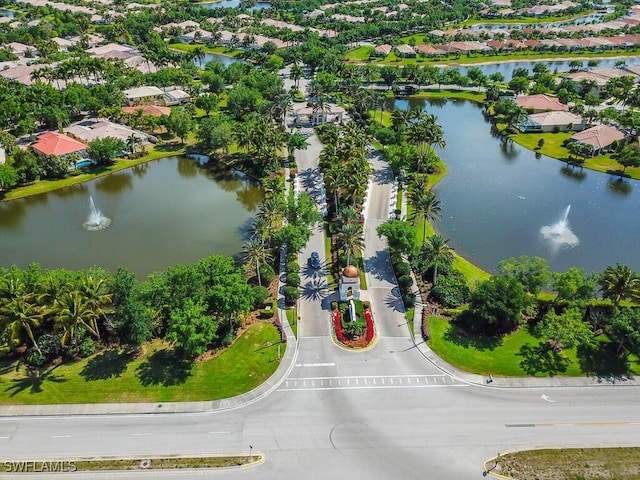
column 377, row 414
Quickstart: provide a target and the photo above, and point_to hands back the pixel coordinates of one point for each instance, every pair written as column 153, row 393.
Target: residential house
column 540, row 103
column 405, row 51
column 599, row 138
column 316, row 116
column 93, row 129
column 145, row 94
column 553, row 121
column 58, row 144
column 148, row 110
column 382, row 50
column 176, row 97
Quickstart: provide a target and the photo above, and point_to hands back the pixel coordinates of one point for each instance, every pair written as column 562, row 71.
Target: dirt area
column 571, row 464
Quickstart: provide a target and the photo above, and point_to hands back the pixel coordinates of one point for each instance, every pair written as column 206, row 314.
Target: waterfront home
column 540, row 103
column 599, row 138
column 58, row 144
column 554, row 121
column 93, row 129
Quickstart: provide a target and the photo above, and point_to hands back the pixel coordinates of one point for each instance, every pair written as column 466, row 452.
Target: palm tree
column 425, row 207
column 351, row 238
column 73, row 311
column 297, row 72
column 296, row 141
column 619, row 282
column 255, row 252
column 21, row 314
column 346, row 216
column 426, row 132
column 438, row 253
column 94, row 291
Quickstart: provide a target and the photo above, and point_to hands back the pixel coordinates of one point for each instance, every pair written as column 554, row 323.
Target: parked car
column 314, row 260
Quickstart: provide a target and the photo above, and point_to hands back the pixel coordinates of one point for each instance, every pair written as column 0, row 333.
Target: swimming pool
column 83, row 163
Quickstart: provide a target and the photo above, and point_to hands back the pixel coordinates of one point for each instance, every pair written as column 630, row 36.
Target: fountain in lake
column 559, row 234
column 96, row 220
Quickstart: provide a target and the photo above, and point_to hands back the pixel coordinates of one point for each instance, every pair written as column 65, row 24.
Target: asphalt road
column 377, row 414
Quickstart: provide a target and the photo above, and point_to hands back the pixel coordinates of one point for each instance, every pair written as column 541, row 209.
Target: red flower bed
column 370, row 329
column 338, row 326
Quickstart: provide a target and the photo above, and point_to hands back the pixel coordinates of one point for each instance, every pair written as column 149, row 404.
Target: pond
column 165, row 212
column 234, row 4
column 497, row 199
column 507, row 68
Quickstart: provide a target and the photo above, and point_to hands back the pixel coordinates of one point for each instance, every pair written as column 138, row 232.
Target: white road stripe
column 381, row 387
column 141, row 434
column 60, row 436
column 315, row 364
column 221, row 432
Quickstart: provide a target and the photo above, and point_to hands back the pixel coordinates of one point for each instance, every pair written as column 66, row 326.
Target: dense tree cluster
column 71, row 313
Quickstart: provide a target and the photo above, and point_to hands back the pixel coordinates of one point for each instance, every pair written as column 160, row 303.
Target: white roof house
column 139, row 93
column 555, row 120
column 175, row 97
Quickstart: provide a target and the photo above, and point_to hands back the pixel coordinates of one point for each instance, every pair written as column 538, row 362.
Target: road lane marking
column 141, row 434
column 331, row 364
column 576, row 424
column 60, row 436
column 221, row 432
column 4, row 438
column 378, row 387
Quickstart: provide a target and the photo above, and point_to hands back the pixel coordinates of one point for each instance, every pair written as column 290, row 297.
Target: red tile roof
column 152, row 110
column 541, row 102
column 54, row 143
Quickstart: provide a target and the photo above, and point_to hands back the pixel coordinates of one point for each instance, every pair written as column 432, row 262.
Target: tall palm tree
column 254, row 252
column 425, row 207
column 297, row 72
column 74, row 311
column 21, row 314
column 438, row 253
column 619, row 282
column 347, row 215
column 351, row 239
column 95, row 292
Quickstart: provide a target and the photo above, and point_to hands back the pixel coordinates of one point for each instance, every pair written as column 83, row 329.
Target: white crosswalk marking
column 368, row 381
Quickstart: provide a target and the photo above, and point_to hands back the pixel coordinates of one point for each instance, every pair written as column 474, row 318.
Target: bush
column 267, row 274
column 291, row 294
column 269, row 310
column 260, row 295
column 293, row 279
column 87, row 348
column 405, row 282
column 34, row 358
column 451, row 290
column 401, row 268
column 50, row 345
column 292, row 267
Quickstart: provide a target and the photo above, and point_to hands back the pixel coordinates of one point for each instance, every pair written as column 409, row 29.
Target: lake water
column 498, row 196
column 234, row 4
column 507, row 68
column 164, row 212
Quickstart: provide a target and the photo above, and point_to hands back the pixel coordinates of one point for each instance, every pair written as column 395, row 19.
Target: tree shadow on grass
column 459, row 336
column 601, row 360
column 164, row 367
column 110, row 364
column 540, row 358
column 33, row 382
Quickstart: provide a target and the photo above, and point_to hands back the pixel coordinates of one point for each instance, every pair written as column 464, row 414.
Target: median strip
column 125, row 464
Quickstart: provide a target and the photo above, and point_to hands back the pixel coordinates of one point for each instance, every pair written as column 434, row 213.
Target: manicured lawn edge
column 157, row 376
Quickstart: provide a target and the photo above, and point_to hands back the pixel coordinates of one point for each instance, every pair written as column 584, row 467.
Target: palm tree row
column 344, row 165
column 63, row 307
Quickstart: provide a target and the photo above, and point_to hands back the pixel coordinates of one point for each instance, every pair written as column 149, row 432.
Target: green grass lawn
column 292, row 318
column 553, row 148
column 522, row 354
column 156, row 376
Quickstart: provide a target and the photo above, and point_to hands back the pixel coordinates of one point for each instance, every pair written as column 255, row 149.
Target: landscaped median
column 112, row 463
column 578, row 463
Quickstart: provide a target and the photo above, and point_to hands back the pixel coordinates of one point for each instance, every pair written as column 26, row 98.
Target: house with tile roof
column 554, row 121
column 58, row 144
column 540, row 103
column 599, row 138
